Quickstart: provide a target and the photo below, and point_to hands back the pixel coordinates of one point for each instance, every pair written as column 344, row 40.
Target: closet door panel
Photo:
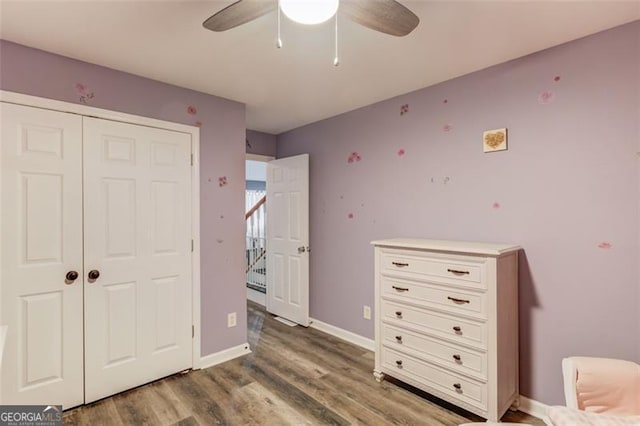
column 41, row 212
column 137, row 185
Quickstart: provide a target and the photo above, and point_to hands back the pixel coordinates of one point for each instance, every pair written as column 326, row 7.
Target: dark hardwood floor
column 295, row 376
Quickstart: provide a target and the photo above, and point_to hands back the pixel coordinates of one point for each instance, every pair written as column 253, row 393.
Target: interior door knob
column 94, row 274
column 71, row 276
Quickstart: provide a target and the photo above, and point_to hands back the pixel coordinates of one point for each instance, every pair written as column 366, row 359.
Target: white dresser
column 446, row 320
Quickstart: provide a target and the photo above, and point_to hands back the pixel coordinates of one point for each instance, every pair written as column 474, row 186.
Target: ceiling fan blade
column 239, row 13
column 386, row 16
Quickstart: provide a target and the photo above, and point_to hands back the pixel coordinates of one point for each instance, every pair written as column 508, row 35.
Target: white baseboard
column 533, row 407
column 343, row 334
column 256, row 296
column 224, row 356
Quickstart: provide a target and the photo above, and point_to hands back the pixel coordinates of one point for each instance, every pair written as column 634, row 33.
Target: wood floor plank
column 134, row 408
column 313, row 409
column 395, row 404
column 188, row 421
column 102, row 412
column 294, row 376
column 226, row 393
column 303, row 365
column 264, row 405
column 205, row 409
column 166, row 405
column 318, row 389
column 369, row 356
column 389, row 402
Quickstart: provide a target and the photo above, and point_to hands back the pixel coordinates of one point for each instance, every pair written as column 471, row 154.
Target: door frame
column 194, row 132
column 263, row 159
column 259, row 157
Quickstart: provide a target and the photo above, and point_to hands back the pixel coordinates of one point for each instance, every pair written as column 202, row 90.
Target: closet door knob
column 94, row 274
column 71, row 276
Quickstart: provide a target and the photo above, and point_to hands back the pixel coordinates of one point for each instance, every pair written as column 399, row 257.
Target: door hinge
column 193, row 331
column 192, row 159
column 192, row 245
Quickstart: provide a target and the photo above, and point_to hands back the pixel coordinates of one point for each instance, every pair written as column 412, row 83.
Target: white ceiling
column 298, row 84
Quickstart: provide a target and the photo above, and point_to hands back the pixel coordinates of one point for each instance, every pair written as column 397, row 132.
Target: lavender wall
column 222, row 152
column 566, row 190
column 261, row 143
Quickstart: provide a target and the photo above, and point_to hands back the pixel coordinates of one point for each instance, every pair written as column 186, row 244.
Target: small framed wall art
column 494, row 140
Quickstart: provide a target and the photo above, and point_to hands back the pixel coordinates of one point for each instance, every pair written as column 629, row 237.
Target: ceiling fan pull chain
column 279, row 42
column 336, row 61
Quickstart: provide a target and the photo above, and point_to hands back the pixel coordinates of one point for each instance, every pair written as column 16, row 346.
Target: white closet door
column 41, row 211
column 137, row 210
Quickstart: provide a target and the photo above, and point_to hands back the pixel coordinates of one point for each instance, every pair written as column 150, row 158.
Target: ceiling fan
column 386, row 16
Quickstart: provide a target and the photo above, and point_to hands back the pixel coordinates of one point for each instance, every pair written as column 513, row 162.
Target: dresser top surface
column 491, row 249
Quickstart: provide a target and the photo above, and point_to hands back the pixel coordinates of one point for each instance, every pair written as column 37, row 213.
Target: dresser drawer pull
column 455, row 300
column 400, row 289
column 399, row 364
column 400, row 264
column 458, row 272
column 456, row 328
column 399, row 314
column 458, row 386
column 457, row 357
column 399, row 339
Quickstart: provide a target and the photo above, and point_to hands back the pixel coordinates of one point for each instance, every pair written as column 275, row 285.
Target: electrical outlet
column 366, row 312
column 231, row 319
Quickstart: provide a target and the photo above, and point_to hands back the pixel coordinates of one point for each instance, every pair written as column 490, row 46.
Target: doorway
column 277, row 237
column 255, row 215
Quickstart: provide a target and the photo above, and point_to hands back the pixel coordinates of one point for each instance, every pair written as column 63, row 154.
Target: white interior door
column 288, row 238
column 41, row 212
column 137, row 186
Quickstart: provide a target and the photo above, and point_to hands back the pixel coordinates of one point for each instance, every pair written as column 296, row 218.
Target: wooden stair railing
column 253, row 223
column 257, row 259
column 255, row 207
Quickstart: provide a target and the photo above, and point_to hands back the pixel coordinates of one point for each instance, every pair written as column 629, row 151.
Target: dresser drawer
column 403, row 366
column 448, row 355
column 456, row 269
column 441, row 325
column 448, row 299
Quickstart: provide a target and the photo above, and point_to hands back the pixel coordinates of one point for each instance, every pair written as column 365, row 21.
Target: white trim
column 195, row 255
column 3, row 337
column 570, row 378
column 343, row 334
column 533, row 407
column 224, row 356
column 260, row 157
column 80, row 109
column 85, row 110
column 257, row 297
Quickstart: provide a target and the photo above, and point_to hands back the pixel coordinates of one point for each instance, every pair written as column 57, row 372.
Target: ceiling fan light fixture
column 309, row 12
